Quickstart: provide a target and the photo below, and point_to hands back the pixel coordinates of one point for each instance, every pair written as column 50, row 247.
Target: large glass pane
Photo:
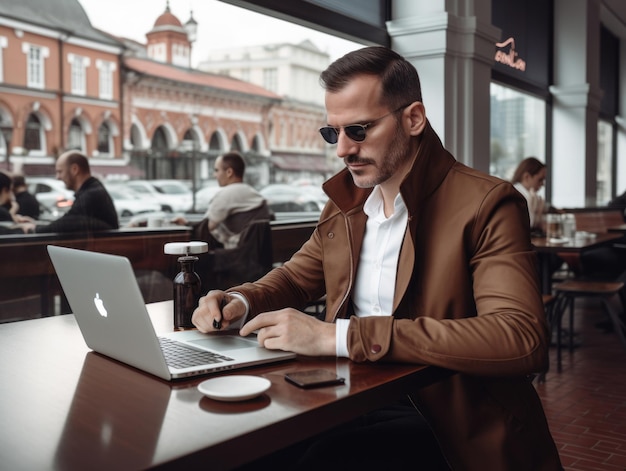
column 605, row 163
column 518, row 129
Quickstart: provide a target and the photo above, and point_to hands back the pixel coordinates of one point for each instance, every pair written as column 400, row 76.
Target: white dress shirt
column 378, row 263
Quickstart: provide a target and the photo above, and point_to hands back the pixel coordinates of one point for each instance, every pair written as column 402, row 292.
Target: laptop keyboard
column 180, row 356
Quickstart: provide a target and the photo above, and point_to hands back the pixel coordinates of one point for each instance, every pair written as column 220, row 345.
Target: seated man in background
column 6, row 199
column 28, row 203
column 92, row 209
column 232, row 208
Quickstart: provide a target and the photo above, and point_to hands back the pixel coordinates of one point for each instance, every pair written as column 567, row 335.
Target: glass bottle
column 186, row 292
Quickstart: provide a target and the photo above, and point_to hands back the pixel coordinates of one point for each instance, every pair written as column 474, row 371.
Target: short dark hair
column 18, row 180
column 532, row 165
column 235, row 161
column 5, row 181
column 399, row 78
column 75, row 157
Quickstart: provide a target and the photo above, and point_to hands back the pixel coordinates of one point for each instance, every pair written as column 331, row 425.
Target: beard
column 397, row 155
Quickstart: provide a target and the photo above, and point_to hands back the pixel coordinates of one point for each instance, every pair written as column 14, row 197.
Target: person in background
column 619, row 202
column 93, row 208
column 8, row 207
column 6, row 198
column 423, row 260
column 233, row 207
column 28, row 203
column 528, row 179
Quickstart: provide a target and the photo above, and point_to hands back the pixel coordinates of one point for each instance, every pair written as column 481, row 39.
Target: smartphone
column 314, row 378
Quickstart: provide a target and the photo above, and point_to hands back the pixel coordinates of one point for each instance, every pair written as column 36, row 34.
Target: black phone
column 314, row 378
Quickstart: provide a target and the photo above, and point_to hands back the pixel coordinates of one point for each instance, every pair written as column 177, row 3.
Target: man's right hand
column 217, row 310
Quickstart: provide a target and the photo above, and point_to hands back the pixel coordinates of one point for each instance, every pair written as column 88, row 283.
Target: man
column 422, row 260
column 92, row 209
column 6, row 199
column 28, row 204
column 233, row 207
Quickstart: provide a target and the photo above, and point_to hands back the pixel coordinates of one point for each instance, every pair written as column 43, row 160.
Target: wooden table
column 577, row 245
column 64, row 407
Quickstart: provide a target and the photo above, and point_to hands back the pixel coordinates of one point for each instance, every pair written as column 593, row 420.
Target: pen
column 217, row 323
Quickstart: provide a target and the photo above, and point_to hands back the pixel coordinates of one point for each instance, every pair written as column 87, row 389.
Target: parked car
column 53, row 196
column 282, row 197
column 129, row 203
column 172, row 195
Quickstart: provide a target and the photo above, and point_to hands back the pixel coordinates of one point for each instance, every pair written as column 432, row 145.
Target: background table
column 578, row 245
column 63, row 407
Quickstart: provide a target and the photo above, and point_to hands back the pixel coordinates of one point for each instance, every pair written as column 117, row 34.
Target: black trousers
column 394, row 438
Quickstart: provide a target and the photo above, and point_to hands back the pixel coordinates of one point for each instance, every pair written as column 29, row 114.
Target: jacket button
column 331, row 235
column 376, row 348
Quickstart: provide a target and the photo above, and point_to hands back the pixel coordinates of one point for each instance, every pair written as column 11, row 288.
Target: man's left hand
column 294, row 331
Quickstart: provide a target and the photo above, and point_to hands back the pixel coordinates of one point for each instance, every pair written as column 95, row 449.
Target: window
column 605, row 159
column 76, row 136
column 34, row 137
column 270, row 79
column 104, row 139
column 79, row 73
column 3, row 44
column 518, row 129
column 105, row 78
column 35, row 64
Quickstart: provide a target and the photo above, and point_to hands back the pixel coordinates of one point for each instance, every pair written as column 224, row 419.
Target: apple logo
column 100, row 306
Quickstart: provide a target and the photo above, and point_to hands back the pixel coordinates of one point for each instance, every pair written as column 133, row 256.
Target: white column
column 453, row 52
column 576, row 101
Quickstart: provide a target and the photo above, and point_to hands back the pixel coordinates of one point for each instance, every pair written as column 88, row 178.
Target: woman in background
column 528, row 179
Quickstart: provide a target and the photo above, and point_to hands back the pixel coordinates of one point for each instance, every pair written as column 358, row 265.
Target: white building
column 290, row 70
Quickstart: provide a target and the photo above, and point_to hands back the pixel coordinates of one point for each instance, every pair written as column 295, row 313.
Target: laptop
column 104, row 296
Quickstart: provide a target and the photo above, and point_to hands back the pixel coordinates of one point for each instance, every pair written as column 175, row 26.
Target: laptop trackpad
column 222, row 343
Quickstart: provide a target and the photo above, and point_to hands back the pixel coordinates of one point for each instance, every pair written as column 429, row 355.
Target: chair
column 566, row 294
column 249, row 261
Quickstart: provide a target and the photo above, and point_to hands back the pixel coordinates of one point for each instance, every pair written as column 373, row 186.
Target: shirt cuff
column 238, row 324
column 341, row 337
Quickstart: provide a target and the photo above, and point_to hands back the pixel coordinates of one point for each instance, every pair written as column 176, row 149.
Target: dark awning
column 300, row 162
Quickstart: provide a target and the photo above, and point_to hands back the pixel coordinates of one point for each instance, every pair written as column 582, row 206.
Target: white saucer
column 234, row 388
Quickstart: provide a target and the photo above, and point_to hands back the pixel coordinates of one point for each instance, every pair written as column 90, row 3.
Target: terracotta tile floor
column 586, row 402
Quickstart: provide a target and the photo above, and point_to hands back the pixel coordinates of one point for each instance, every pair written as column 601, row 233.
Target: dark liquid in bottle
column 186, row 293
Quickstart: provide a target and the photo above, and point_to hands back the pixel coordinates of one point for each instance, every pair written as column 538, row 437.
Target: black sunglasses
column 356, row 132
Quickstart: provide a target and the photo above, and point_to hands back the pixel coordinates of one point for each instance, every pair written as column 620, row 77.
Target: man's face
column 386, row 147
column 63, row 173
column 5, row 196
column 220, row 172
column 538, row 180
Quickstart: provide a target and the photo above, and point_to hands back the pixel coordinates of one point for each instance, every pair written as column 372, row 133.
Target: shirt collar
column 374, row 208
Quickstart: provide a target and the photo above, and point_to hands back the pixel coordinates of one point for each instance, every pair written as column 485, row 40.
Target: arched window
column 34, row 137
column 256, row 146
column 190, row 140
column 214, row 144
column 135, row 137
column 159, row 140
column 76, row 136
column 235, row 145
column 105, row 140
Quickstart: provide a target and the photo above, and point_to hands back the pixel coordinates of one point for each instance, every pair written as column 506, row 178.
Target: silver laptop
column 104, row 296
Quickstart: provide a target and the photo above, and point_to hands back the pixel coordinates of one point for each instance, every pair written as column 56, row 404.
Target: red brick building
column 135, row 109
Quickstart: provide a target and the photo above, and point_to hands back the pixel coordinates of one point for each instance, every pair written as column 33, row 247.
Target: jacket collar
column 429, row 169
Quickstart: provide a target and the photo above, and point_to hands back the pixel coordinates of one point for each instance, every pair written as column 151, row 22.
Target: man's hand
column 217, row 310
column 293, row 331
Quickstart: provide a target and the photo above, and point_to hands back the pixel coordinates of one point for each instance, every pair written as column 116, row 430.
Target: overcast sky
column 220, row 25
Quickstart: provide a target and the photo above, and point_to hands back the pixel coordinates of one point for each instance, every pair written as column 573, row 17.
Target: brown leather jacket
column 467, row 298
